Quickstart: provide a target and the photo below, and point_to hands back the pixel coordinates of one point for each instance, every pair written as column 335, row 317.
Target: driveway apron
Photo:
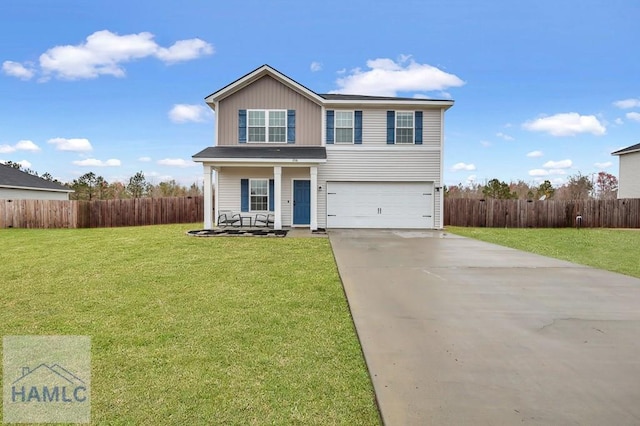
column 461, row 332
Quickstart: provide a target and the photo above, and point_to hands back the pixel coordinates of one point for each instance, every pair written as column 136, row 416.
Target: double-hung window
column 259, row 194
column 344, row 126
column 267, row 125
column 404, row 127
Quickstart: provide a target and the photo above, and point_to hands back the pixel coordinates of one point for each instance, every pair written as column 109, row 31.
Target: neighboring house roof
column 312, row 153
column 263, row 70
column 628, row 150
column 14, row 178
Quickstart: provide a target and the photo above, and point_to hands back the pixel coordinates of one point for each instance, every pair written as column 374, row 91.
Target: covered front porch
column 251, row 183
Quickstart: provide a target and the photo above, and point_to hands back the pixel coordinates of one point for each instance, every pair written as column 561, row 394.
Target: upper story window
column 344, row 126
column 404, row 127
column 267, row 125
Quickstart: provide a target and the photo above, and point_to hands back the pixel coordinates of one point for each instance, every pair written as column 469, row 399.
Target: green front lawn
column 612, row 250
column 185, row 330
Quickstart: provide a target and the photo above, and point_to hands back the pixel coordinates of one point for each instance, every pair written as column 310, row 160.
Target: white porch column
column 208, row 205
column 277, row 200
column 314, row 197
column 215, row 197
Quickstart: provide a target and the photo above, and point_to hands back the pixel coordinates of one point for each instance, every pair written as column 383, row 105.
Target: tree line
column 603, row 186
column 90, row 186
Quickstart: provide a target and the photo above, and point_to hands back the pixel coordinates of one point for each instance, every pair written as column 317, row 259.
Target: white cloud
column 562, row 164
column 505, row 136
column 315, row 66
column 557, row 172
column 463, row 166
column 75, row 144
column 144, row 159
column 546, row 172
column 604, row 165
column 471, row 178
column 183, row 113
column 635, row 116
column 27, row 145
column 104, row 53
column 93, row 162
column 386, row 77
column 627, row 103
column 538, row 172
column 15, row 69
column 566, row 124
column 23, row 145
column 184, row 50
column 618, row 121
column 176, row 162
column 535, row 154
column 485, row 144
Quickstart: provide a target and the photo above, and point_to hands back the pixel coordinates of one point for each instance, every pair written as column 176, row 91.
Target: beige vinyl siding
column 28, row 194
column 229, row 186
column 268, row 93
column 431, row 127
column 374, row 126
column 629, row 182
column 393, row 164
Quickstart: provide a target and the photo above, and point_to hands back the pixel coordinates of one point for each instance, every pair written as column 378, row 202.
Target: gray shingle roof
column 632, row 148
column 264, row 152
column 339, row 97
column 10, row 177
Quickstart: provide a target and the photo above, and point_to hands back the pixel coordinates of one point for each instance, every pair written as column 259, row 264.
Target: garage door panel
column 379, row 204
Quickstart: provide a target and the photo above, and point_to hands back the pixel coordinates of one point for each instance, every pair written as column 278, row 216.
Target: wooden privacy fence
column 100, row 213
column 624, row 213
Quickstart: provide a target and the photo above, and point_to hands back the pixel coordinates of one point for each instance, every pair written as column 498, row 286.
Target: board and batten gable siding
column 392, row 164
column 374, row 125
column 629, row 181
column 229, row 186
column 268, row 93
column 27, row 194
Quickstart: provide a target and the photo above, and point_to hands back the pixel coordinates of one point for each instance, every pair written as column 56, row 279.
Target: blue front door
column 301, row 202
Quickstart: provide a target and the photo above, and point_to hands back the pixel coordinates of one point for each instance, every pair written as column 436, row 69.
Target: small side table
column 243, row 218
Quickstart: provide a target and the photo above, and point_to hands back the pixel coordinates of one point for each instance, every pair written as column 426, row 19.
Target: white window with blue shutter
column 344, row 127
column 404, row 127
column 256, row 195
column 260, row 125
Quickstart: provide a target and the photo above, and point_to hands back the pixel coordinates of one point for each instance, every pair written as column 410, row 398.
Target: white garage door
column 379, row 205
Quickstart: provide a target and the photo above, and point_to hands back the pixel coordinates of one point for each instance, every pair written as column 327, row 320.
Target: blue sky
column 543, row 89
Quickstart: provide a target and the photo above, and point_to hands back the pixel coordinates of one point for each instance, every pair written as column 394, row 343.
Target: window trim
column 266, row 125
column 336, row 127
column 413, row 127
column 251, row 180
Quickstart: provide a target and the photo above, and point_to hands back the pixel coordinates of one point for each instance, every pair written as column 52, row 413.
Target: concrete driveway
column 461, row 332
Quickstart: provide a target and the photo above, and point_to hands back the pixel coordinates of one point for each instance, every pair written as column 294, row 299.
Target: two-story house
column 323, row 160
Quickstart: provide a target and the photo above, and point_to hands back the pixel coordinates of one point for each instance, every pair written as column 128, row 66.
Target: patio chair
column 226, row 218
column 263, row 219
